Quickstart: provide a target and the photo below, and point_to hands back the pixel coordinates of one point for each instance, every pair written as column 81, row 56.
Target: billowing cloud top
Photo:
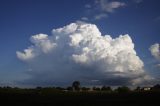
column 80, row 52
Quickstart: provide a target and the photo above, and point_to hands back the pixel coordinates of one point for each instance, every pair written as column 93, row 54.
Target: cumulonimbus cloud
column 79, row 51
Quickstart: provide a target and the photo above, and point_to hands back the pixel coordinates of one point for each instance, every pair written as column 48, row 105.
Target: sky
column 54, row 42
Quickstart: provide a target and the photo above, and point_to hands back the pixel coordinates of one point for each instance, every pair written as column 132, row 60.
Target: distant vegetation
column 76, row 87
column 80, row 96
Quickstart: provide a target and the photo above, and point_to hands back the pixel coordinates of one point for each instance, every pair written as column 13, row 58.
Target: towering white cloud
column 80, row 52
column 155, row 51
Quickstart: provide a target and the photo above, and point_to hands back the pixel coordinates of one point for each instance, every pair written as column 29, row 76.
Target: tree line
column 76, row 87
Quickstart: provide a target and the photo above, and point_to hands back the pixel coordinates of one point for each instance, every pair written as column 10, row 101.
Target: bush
column 123, row 89
column 76, row 85
column 108, row 89
column 85, row 89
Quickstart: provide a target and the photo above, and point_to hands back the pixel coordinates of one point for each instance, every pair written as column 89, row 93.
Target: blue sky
column 20, row 19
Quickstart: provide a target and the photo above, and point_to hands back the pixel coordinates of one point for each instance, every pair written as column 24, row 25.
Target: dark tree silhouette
column 60, row 88
column 76, row 85
column 138, row 89
column 96, row 89
column 38, row 88
column 85, row 89
column 69, row 88
column 156, row 87
column 123, row 89
column 104, row 88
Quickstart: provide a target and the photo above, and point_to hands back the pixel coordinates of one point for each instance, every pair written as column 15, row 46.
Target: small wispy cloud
column 88, row 6
column 138, row 1
column 157, row 18
column 158, row 66
column 109, row 7
column 100, row 16
column 101, row 8
column 84, row 19
column 155, row 51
